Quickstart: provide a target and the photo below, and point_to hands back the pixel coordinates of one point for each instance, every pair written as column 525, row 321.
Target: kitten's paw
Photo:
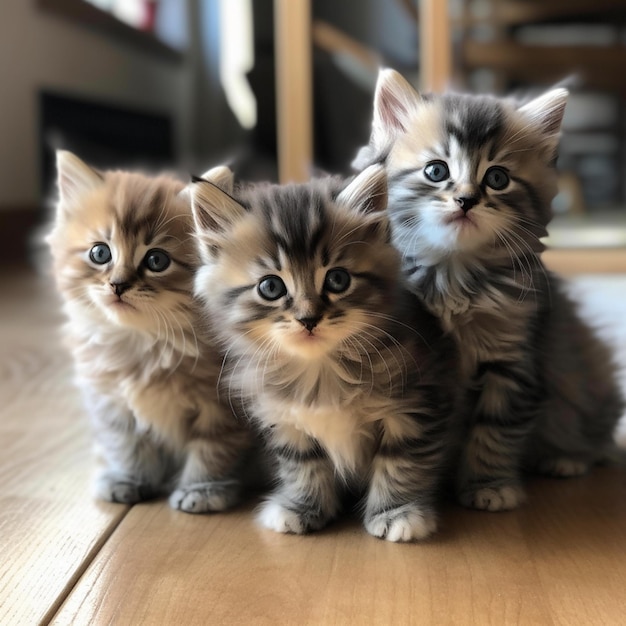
column 298, row 521
column 501, row 498
column 405, row 523
column 205, row 497
column 122, row 490
column 562, row 467
column 276, row 517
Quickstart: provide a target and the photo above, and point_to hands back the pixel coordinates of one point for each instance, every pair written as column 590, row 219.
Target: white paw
column 502, row 498
column 204, row 497
column 563, row 467
column 406, row 523
column 276, row 517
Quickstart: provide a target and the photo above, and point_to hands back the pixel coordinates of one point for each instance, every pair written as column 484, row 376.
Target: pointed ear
column 222, row 177
column 365, row 156
column 546, row 112
column 214, row 211
column 74, row 177
column 394, row 103
column 367, row 192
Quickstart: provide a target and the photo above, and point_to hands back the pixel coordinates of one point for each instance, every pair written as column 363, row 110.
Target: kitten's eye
column 100, row 254
column 496, row 178
column 337, row 280
column 156, row 260
column 272, row 288
column 437, row 171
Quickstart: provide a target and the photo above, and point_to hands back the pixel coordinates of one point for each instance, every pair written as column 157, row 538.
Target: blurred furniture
column 293, row 33
column 524, row 45
column 294, row 91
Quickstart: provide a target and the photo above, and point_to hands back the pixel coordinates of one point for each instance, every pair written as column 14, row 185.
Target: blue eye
column 100, row 254
column 156, row 260
column 437, row 171
column 337, row 280
column 271, row 288
column 497, row 178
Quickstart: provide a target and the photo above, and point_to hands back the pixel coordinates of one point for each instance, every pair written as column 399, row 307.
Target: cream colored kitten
column 124, row 261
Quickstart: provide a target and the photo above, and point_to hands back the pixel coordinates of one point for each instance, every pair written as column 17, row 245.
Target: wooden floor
column 66, row 559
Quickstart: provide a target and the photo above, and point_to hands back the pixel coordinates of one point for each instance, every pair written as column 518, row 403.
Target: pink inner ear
column 206, row 220
column 392, row 111
column 552, row 121
column 66, row 182
column 67, row 186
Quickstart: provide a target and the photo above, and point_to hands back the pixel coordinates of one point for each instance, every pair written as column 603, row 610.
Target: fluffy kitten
column 471, row 180
column 124, row 261
column 302, row 282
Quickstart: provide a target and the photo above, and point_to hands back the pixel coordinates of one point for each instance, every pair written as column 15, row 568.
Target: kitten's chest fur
column 347, row 433
column 487, row 313
column 157, row 379
column 330, row 403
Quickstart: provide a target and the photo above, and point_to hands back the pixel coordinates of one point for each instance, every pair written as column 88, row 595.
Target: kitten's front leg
column 216, row 446
column 406, row 471
column 306, row 498
column 134, row 465
column 506, row 407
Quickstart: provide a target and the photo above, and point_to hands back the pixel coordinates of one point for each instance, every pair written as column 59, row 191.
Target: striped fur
column 145, row 363
column 346, row 394
column 542, row 386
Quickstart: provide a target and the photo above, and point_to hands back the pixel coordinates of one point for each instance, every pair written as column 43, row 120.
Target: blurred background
column 282, row 88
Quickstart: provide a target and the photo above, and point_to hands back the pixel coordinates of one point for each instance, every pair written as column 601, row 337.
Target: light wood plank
column 294, row 89
column 575, row 261
column 578, row 542
column 559, row 560
column 509, row 55
column 50, row 528
column 435, row 45
column 335, row 41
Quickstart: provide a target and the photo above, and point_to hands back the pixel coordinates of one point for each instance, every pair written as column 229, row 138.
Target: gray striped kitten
column 471, row 180
column 302, row 283
column 124, row 261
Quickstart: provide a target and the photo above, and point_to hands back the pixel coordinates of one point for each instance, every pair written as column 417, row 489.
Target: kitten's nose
column 119, row 287
column 466, row 202
column 310, row 322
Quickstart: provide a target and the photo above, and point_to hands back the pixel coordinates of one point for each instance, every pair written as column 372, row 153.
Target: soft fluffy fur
column 344, row 391
column 144, row 362
column 542, row 386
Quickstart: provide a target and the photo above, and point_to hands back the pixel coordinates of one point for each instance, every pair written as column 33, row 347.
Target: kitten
column 124, row 261
column 302, row 282
column 471, row 180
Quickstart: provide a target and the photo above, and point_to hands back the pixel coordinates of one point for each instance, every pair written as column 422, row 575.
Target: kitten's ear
column 214, row 211
column 395, row 101
column 222, row 177
column 367, row 192
column 74, row 177
column 365, row 156
column 546, row 112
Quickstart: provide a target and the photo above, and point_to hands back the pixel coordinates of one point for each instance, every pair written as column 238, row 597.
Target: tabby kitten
column 471, row 180
column 302, row 282
column 124, row 261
